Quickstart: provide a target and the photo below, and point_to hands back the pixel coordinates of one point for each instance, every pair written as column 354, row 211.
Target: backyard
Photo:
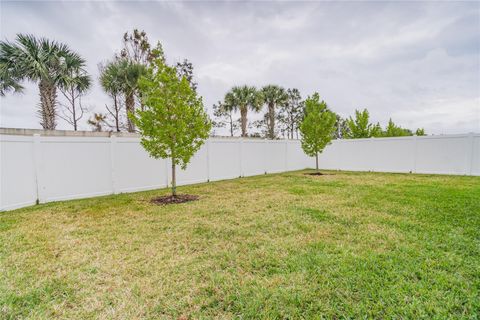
column 286, row 245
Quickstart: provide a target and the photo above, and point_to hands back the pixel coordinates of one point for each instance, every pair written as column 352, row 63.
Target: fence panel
column 448, row 155
column 475, row 156
column 50, row 168
column 253, row 157
column 74, row 167
column 18, row 186
column 224, row 159
column 133, row 169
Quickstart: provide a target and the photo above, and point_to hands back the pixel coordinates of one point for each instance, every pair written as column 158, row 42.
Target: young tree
column 173, row 123
column 243, row 98
column 317, row 127
column 273, row 96
column 41, row 61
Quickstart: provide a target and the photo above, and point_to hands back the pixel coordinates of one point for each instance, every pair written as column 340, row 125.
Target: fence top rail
column 71, row 133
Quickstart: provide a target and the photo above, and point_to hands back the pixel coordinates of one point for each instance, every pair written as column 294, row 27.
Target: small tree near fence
column 318, row 126
column 173, row 123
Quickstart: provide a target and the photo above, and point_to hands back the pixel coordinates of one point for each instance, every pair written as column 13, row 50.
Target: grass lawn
column 342, row 245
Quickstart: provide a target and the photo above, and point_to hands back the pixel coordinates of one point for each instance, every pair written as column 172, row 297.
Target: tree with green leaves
column 392, row 130
column 360, row 127
column 38, row 60
column 273, row 96
column 317, row 128
column 420, row 132
column 174, row 123
column 243, row 98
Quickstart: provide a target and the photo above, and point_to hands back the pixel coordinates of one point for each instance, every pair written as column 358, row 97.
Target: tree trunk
column 316, row 161
column 47, row 112
column 243, row 115
column 117, row 124
column 174, row 179
column 74, row 110
column 231, row 124
column 271, row 115
column 130, row 106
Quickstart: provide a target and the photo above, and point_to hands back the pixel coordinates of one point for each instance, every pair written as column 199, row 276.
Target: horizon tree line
column 56, row 68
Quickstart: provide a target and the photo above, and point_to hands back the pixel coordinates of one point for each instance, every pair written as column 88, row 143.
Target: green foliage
column 243, row 98
column 120, row 77
column 317, row 127
column 420, row 132
column 173, row 123
column 392, row 130
column 291, row 113
column 273, row 96
column 360, row 127
column 35, row 59
column 224, row 117
column 49, row 63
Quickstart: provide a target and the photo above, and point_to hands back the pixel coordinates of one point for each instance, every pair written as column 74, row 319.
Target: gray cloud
column 418, row 63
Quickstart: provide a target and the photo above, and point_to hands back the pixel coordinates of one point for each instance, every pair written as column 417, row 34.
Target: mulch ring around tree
column 179, row 198
column 317, row 174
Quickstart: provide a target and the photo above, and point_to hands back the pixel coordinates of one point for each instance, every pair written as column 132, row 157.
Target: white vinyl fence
column 444, row 154
column 50, row 168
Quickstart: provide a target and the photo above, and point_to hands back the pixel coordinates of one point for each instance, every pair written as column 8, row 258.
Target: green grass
column 286, row 246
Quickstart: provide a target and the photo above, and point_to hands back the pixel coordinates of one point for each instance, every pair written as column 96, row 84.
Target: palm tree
column 273, row 96
column 111, row 83
column 121, row 77
column 38, row 60
column 243, row 98
column 73, row 86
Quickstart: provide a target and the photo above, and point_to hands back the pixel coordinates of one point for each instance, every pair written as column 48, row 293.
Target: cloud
column 418, row 63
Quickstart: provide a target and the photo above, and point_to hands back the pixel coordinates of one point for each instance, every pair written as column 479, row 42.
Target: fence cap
column 64, row 133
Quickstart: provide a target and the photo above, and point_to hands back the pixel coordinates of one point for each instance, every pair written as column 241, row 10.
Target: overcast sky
column 418, row 63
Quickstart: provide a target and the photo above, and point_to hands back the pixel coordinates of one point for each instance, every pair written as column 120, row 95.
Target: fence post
column 37, row 154
column 286, row 155
column 113, row 144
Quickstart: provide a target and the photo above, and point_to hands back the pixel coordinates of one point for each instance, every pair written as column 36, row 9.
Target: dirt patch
column 317, row 174
column 179, row 198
